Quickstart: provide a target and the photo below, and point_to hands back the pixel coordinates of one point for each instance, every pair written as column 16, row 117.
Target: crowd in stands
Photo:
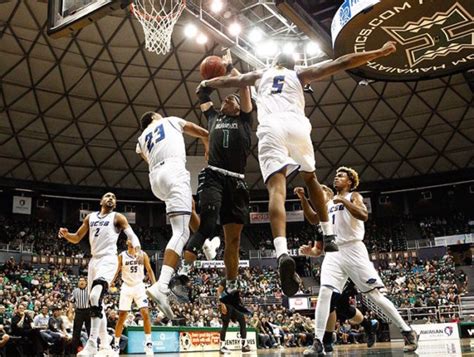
column 455, row 223
column 425, row 285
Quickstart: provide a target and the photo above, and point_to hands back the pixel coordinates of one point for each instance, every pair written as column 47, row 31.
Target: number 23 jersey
column 279, row 91
column 162, row 140
column 133, row 273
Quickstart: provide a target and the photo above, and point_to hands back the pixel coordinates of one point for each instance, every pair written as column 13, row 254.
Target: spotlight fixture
column 190, row 30
column 234, row 29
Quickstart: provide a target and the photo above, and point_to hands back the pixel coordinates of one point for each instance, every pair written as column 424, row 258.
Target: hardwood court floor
column 389, row 349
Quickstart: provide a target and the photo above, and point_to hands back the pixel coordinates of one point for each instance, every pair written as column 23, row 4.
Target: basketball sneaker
column 246, row 348
column 233, row 299
column 89, row 350
column 290, row 281
column 161, row 299
column 149, row 349
column 210, row 247
column 180, row 286
column 316, row 350
column 411, row 341
column 224, row 350
column 330, row 243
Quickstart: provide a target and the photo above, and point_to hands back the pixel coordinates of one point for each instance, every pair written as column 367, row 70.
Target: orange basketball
column 211, row 67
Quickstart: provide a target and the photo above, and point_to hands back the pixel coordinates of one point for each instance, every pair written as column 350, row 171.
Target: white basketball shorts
column 171, row 183
column 284, row 140
column 130, row 294
column 103, row 267
column 351, row 261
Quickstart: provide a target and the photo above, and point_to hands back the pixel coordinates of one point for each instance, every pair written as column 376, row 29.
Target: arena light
column 296, row 56
column 267, row 49
column 256, row 35
column 312, row 48
column 234, row 29
column 190, row 30
column 289, row 48
column 201, row 39
column 216, row 6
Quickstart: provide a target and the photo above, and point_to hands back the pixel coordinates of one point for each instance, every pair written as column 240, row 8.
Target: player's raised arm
column 244, row 92
column 243, row 80
column 80, row 233
column 308, row 211
column 149, row 269
column 352, row 60
column 355, row 206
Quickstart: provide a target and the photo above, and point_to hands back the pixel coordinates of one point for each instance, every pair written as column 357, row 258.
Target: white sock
column 322, row 311
column 389, row 309
column 95, row 324
column 116, row 341
column 165, row 277
column 244, row 342
column 148, row 338
column 281, row 247
column 103, row 335
column 327, row 228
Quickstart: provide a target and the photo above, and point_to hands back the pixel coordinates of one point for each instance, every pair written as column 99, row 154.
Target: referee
column 80, row 298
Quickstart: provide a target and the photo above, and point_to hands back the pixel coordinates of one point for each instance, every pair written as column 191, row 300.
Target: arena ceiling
column 70, row 107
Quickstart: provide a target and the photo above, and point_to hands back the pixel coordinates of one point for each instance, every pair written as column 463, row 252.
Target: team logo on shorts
column 371, row 281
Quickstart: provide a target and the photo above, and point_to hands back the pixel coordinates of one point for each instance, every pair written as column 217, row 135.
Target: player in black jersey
column 223, row 192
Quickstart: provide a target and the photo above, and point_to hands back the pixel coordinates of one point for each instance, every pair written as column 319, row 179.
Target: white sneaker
column 210, row 247
column 107, row 351
column 149, row 349
column 89, row 350
column 161, row 300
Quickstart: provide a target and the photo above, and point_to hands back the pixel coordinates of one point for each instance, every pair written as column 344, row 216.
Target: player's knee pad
column 325, row 292
column 375, row 295
column 98, row 290
column 180, row 227
column 334, row 299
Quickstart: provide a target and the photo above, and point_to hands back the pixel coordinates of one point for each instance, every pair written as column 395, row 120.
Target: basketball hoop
column 157, row 18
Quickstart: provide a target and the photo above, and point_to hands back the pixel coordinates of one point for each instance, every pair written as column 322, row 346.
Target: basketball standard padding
column 211, row 67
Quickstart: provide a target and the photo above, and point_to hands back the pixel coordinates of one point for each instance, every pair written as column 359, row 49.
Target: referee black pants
column 82, row 316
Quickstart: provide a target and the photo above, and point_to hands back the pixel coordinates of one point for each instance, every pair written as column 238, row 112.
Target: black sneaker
column 224, row 350
column 328, row 348
column 290, row 281
column 411, row 341
column 316, row 350
column 246, row 348
column 371, row 338
column 330, row 243
column 181, row 287
column 233, row 299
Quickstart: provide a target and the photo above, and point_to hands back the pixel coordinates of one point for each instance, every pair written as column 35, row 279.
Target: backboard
column 67, row 16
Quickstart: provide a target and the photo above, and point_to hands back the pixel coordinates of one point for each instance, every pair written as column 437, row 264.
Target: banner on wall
column 192, row 341
column 21, row 205
column 233, row 340
column 264, row 217
column 432, row 332
column 163, row 341
column 131, row 216
column 218, row 264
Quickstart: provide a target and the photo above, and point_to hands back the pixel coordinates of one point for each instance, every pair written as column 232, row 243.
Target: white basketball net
column 158, row 18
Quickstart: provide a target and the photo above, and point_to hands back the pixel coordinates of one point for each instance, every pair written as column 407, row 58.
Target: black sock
column 328, row 338
column 367, row 325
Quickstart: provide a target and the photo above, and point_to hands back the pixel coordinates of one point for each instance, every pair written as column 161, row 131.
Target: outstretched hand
column 299, row 191
column 311, row 251
column 63, row 232
column 388, row 48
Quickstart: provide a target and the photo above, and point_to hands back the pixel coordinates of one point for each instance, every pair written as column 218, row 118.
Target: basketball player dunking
column 284, row 141
column 348, row 214
column 223, row 192
column 133, row 290
column 104, row 228
column 161, row 145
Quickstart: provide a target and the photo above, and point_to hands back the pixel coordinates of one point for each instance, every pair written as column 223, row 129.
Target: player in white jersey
column 348, row 214
column 132, row 290
column 161, row 145
column 285, row 143
column 104, row 228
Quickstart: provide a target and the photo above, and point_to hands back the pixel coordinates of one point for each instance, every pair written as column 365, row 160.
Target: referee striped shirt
column 80, row 298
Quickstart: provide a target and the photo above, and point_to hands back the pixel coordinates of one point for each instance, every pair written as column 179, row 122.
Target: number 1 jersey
column 162, row 140
column 279, row 91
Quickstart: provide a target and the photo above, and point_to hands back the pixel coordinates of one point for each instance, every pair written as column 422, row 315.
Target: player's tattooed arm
column 356, row 206
column 244, row 80
column 309, row 212
column 149, row 270
column 244, row 92
column 117, row 272
column 351, row 60
column 75, row 237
